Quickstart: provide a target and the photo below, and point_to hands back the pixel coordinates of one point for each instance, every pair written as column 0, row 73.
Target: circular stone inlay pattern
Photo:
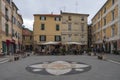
column 58, row 68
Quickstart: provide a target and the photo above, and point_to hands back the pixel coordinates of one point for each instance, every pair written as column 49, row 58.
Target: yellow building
column 27, row 39
column 17, row 22
column 66, row 27
column 74, row 28
column 10, row 27
column 47, row 27
column 106, row 27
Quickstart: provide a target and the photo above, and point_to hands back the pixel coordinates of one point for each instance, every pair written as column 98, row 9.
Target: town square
column 59, row 40
column 98, row 69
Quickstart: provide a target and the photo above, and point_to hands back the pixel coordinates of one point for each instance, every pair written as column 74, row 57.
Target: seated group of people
column 60, row 51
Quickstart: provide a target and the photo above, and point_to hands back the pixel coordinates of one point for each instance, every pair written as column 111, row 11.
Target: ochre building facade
column 10, row 27
column 64, row 27
column 106, row 27
column 47, row 27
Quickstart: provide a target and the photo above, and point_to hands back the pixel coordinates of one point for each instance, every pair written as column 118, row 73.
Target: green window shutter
column 42, row 26
column 40, row 17
column 57, row 27
column 45, row 18
column 6, row 29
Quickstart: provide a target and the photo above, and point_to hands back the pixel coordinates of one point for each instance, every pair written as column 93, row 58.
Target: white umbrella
column 77, row 43
column 50, row 43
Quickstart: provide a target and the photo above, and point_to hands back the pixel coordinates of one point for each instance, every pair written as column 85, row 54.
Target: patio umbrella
column 77, row 43
column 51, row 43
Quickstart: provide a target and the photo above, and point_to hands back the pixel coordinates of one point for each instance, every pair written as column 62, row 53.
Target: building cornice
column 47, row 15
column 74, row 13
column 109, row 10
column 100, row 9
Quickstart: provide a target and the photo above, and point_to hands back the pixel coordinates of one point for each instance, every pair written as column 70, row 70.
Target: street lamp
column 102, row 56
column 104, row 43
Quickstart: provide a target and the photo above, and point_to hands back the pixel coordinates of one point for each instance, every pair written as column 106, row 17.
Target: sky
column 29, row 7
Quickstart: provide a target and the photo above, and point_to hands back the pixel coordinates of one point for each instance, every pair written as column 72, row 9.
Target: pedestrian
column 95, row 51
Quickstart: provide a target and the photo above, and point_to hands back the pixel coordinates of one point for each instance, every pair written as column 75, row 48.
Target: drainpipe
column 101, row 28
column 118, row 24
column 12, row 51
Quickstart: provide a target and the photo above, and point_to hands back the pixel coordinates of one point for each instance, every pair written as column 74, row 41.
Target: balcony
column 70, row 32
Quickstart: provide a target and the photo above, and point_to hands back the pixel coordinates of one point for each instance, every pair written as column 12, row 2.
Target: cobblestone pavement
column 113, row 57
column 100, row 69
